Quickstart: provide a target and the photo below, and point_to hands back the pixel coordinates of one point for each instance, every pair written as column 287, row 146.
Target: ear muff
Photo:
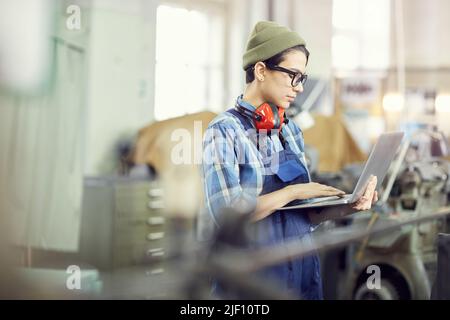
column 266, row 117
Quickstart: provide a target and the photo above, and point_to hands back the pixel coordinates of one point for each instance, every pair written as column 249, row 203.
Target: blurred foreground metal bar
column 236, row 267
column 250, row 261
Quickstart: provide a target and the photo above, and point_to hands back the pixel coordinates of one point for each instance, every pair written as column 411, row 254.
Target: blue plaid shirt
column 232, row 168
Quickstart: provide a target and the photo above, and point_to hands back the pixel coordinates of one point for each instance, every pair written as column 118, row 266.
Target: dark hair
column 275, row 60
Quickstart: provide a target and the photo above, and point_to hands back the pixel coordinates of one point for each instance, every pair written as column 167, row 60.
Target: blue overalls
column 300, row 277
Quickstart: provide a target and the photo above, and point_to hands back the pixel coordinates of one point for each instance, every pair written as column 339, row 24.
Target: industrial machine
column 418, row 185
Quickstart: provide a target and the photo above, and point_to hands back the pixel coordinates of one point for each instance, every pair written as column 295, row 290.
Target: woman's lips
column 291, row 99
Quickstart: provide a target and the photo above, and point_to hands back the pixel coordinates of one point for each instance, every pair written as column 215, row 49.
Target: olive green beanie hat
column 268, row 39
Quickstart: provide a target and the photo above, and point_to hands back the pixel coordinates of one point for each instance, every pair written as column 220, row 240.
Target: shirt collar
column 245, row 104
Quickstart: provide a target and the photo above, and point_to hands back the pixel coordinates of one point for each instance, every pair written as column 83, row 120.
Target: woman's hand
column 270, row 202
column 365, row 202
column 369, row 197
column 309, row 190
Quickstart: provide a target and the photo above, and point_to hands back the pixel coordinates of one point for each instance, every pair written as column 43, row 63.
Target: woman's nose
column 299, row 88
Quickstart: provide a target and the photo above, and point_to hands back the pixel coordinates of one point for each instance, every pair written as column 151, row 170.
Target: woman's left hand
column 369, row 197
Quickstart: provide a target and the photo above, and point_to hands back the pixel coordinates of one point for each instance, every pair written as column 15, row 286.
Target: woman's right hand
column 303, row 191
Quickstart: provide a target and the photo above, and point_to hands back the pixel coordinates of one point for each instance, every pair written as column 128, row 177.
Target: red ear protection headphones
column 266, row 117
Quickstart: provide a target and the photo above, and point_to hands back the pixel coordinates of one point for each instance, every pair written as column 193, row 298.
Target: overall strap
column 246, row 122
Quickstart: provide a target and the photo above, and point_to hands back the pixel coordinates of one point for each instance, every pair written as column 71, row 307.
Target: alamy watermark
column 73, row 281
column 374, row 280
column 73, row 22
column 222, row 146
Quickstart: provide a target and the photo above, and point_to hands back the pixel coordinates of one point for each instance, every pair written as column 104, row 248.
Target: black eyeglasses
column 297, row 77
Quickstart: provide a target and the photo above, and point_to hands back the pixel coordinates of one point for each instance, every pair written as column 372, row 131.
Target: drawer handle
column 155, row 220
column 157, row 254
column 155, row 271
column 155, row 235
column 156, row 204
column 156, row 192
column 154, row 250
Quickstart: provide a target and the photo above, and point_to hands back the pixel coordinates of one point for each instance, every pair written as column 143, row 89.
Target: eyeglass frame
column 302, row 78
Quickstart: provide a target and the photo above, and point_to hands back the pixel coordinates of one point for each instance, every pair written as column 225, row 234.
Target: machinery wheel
column 387, row 291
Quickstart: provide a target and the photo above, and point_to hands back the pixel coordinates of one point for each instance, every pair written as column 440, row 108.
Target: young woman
column 254, row 157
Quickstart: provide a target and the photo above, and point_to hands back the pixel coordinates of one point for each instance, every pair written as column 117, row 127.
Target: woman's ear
column 260, row 71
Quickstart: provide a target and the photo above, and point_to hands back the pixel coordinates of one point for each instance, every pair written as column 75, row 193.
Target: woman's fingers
column 324, row 190
column 362, row 204
column 371, row 186
column 335, row 190
column 369, row 197
column 314, row 190
column 370, row 189
column 375, row 197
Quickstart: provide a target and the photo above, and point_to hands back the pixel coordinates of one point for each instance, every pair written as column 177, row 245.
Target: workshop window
column 189, row 61
column 361, row 31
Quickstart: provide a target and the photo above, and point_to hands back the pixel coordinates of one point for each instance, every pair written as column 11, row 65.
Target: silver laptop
column 378, row 164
